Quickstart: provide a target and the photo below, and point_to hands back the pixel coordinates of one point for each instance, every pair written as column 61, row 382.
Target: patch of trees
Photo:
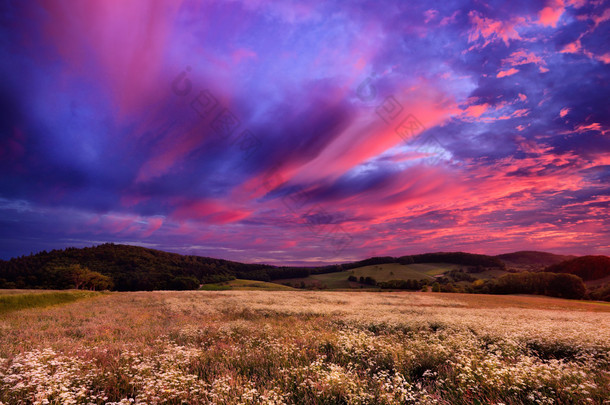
column 585, row 267
column 541, row 283
column 476, row 269
column 601, row 293
column 533, row 258
column 403, row 284
column 66, row 277
column 367, row 280
column 83, row 278
column 459, row 275
column 184, row 283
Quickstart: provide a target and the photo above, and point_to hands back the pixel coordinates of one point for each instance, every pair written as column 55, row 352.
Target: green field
column 489, row 274
column 239, row 284
column 397, row 271
column 12, row 301
column 380, row 272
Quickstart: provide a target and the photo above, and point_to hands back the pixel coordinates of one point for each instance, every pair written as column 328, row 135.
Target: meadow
column 306, row 347
column 384, row 272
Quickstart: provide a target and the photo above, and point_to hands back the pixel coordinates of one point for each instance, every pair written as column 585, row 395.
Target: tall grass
column 307, row 348
column 16, row 302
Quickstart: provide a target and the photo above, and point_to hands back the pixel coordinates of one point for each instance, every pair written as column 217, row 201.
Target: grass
column 14, row 302
column 397, row 271
column 247, row 285
column 307, row 347
column 381, row 272
column 13, row 291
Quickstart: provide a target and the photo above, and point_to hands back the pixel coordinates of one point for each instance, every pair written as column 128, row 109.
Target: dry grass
column 303, row 347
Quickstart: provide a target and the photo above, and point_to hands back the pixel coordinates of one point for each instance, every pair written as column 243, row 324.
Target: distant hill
column 133, row 268
column 466, row 259
column 586, row 267
column 532, row 259
column 462, row 258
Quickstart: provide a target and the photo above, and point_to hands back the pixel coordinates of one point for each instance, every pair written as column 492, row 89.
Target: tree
column 97, row 281
column 82, row 278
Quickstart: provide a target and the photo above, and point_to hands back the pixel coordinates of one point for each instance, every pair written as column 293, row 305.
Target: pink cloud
column 430, row 15
column 451, row 19
column 605, row 16
column 591, row 127
column 476, row 110
column 550, row 15
column 154, row 224
column 368, row 135
column 508, row 72
column 573, row 47
column 605, row 58
column 209, row 211
column 128, row 43
column 492, row 30
column 522, row 57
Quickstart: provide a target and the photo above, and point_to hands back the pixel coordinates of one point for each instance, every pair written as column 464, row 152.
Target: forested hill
column 532, row 259
column 132, row 268
column 586, row 267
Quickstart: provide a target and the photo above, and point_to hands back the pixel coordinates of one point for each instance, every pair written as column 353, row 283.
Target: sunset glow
column 305, row 132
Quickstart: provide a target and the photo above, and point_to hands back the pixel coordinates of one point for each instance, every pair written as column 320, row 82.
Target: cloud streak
column 267, row 133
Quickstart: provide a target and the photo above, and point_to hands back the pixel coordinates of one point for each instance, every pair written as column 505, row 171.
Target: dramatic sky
column 305, row 131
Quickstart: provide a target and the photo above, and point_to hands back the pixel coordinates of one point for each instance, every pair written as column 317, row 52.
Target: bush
column 370, row 281
column 601, row 293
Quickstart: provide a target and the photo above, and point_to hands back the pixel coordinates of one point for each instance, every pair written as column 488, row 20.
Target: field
column 380, row 272
column 11, row 300
column 244, row 285
column 306, row 347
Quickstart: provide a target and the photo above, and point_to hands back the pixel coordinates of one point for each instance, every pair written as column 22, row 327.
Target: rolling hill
column 529, row 259
column 132, row 268
column 586, row 267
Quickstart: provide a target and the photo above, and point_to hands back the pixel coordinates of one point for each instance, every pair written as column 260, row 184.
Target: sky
column 305, row 132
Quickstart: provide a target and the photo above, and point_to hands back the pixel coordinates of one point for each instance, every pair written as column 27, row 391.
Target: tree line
column 134, row 268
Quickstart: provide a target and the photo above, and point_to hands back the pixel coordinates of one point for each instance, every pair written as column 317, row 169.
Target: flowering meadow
column 305, row 347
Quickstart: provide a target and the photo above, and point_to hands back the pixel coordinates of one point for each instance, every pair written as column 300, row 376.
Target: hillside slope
column 586, row 267
column 532, row 259
column 130, row 267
